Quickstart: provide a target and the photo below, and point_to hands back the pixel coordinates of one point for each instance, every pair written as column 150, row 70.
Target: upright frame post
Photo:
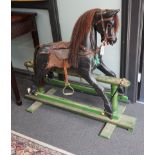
column 114, row 101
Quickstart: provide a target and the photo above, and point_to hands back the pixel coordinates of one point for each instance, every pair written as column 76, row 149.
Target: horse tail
column 40, row 63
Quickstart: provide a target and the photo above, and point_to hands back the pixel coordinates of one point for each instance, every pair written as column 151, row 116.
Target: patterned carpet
column 23, row 145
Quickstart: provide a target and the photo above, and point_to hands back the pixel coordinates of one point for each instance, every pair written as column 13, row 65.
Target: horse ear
column 110, row 13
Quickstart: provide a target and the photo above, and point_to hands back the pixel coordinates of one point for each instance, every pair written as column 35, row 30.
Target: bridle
column 106, row 37
column 104, row 28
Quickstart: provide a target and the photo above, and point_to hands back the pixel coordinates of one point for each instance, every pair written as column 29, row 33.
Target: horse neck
column 91, row 43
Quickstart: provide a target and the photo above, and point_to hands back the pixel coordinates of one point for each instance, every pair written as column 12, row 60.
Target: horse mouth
column 111, row 41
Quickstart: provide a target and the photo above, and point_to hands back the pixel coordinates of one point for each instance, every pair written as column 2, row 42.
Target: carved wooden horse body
column 82, row 52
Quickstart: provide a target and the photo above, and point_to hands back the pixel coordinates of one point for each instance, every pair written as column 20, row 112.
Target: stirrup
column 67, row 85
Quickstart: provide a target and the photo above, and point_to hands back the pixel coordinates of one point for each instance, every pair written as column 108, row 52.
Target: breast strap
column 85, row 51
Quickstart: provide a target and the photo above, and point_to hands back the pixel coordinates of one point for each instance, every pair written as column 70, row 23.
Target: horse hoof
column 32, row 90
column 108, row 114
column 120, row 90
column 19, row 102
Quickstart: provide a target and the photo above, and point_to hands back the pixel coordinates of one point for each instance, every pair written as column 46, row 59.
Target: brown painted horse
column 82, row 52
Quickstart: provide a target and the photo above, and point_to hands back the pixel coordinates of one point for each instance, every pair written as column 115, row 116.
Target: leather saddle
column 60, row 49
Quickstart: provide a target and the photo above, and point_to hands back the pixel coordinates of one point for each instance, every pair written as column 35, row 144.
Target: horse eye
column 109, row 25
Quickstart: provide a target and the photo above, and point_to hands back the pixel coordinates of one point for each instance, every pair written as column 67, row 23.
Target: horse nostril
column 115, row 40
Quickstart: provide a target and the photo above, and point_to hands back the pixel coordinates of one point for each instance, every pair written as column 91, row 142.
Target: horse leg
column 104, row 69
column 87, row 75
column 38, row 80
column 40, row 72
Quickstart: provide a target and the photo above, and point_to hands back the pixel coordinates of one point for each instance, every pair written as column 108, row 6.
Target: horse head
column 103, row 21
column 106, row 23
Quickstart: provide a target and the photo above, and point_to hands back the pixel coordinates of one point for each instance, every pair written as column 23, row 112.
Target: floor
column 75, row 133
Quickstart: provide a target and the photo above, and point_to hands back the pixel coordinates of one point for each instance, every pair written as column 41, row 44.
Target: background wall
column 69, row 11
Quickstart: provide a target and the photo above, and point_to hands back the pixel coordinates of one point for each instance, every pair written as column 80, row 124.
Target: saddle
column 57, row 53
column 60, row 49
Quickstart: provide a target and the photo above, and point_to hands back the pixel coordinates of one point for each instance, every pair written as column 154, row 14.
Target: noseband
column 104, row 28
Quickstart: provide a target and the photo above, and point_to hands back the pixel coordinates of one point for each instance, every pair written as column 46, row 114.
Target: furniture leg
column 14, row 87
column 35, row 38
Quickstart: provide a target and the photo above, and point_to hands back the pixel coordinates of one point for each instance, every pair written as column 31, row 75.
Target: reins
column 103, row 26
column 102, row 20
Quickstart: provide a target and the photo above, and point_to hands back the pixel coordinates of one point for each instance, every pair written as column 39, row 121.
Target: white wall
column 70, row 10
column 22, row 47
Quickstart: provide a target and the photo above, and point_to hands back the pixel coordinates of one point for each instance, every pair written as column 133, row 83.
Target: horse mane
column 80, row 31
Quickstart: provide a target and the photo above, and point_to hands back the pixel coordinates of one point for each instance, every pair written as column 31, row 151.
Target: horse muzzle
column 111, row 41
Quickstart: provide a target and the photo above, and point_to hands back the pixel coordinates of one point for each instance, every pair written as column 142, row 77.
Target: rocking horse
column 81, row 53
column 83, row 56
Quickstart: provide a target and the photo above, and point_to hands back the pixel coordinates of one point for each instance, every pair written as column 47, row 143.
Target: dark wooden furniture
column 22, row 23
column 50, row 6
